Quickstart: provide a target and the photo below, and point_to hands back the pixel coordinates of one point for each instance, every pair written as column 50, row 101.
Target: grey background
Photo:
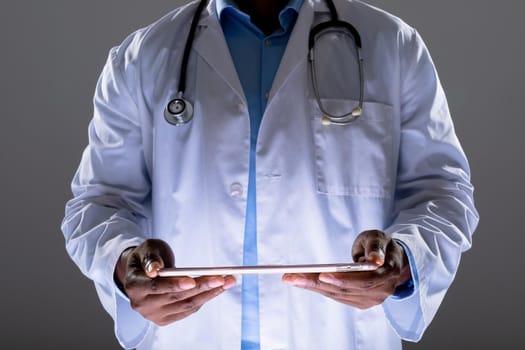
column 51, row 54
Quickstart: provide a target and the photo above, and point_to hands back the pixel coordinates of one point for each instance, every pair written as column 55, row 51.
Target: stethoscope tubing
column 331, row 26
column 179, row 111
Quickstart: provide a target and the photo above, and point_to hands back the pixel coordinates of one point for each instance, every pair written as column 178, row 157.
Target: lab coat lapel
column 212, row 47
column 297, row 48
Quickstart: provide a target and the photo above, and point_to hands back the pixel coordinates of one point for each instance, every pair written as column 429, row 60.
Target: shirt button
column 267, row 94
column 268, row 42
column 236, row 190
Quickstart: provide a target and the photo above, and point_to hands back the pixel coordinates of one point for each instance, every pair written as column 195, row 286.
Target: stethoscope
column 179, row 111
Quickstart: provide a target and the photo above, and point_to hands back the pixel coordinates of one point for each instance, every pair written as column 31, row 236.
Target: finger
column 395, row 255
column 201, row 285
column 183, row 308
column 152, row 267
column 165, row 289
column 229, row 281
column 163, row 309
column 197, row 300
column 155, row 300
column 154, row 254
column 141, row 285
column 363, row 295
column 376, row 256
column 375, row 247
column 361, row 298
column 152, row 262
column 358, row 248
column 352, row 280
column 300, row 279
column 358, row 301
column 206, row 283
column 337, row 293
column 370, row 246
column 358, row 252
column 154, row 294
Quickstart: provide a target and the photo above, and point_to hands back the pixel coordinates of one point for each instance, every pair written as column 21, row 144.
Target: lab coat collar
column 210, row 41
column 296, row 50
column 212, row 47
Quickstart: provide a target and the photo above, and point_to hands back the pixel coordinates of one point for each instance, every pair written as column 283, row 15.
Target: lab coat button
column 236, row 190
column 241, row 107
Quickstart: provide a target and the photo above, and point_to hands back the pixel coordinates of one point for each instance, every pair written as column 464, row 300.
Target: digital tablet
column 265, row 269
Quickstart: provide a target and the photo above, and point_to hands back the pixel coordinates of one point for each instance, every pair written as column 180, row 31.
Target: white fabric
column 398, row 168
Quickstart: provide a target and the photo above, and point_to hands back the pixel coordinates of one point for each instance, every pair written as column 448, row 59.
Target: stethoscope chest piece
column 178, row 111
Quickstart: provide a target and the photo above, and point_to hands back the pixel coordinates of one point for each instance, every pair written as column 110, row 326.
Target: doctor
column 258, row 174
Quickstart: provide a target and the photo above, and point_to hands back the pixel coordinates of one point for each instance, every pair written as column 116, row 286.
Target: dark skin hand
column 362, row 289
column 164, row 300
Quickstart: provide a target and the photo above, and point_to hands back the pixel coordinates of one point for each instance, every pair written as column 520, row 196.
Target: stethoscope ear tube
column 188, row 45
column 333, row 24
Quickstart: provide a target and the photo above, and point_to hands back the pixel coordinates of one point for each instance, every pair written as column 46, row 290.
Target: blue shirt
column 256, row 58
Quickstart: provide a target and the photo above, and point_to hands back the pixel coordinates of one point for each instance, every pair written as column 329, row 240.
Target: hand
column 362, row 289
column 164, row 300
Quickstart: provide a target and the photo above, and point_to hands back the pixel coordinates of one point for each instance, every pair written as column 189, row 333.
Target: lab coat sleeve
column 434, row 211
column 109, row 210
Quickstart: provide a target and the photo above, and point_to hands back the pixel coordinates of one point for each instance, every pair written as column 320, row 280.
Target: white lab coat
column 399, row 168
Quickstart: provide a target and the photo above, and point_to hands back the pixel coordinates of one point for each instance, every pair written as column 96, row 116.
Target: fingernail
column 377, row 257
column 329, row 278
column 228, row 283
column 152, row 266
column 297, row 281
column 214, row 283
column 187, row 283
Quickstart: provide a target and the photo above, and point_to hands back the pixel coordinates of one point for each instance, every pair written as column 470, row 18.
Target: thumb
column 151, row 264
column 375, row 252
column 156, row 254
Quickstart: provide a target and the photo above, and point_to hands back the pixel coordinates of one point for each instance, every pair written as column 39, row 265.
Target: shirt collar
column 286, row 16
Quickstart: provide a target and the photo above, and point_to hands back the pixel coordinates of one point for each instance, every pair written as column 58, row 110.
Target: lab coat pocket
column 355, row 159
